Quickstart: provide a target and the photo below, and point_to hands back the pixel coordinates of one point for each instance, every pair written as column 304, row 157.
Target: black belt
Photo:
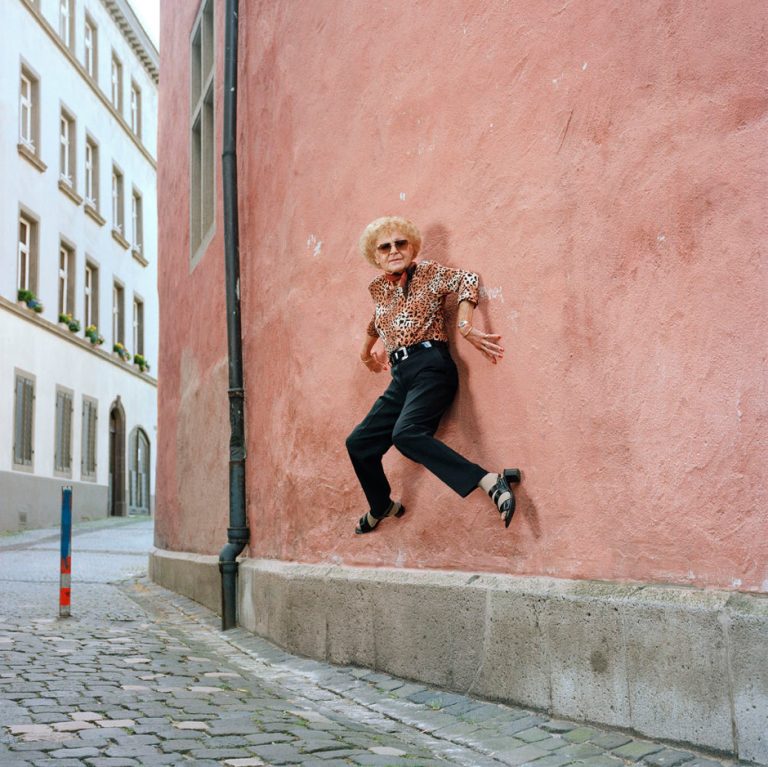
column 397, row 356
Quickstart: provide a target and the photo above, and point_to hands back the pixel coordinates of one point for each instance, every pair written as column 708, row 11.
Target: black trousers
column 407, row 416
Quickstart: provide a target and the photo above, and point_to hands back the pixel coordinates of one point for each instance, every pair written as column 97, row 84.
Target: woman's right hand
column 376, row 362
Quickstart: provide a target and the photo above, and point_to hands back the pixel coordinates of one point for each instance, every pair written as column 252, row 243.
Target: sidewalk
column 141, row 676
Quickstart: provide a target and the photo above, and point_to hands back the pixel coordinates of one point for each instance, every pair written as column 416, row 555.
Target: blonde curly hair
column 385, row 225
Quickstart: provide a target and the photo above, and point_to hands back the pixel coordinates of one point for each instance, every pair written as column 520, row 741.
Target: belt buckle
column 404, row 350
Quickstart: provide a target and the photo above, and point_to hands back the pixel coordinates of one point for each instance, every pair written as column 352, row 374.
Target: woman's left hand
column 487, row 343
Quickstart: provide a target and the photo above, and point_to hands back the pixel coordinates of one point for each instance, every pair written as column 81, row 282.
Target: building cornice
column 80, row 69
column 69, row 337
column 136, row 36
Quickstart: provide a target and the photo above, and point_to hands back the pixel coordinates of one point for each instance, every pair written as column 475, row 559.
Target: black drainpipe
column 237, row 532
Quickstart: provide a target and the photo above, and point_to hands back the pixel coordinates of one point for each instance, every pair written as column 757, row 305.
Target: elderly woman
column 409, row 318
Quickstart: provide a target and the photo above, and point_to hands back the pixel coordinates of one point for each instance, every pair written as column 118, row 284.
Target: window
column 29, row 111
column 118, row 314
column 62, row 462
column 202, row 197
column 66, row 22
column 137, row 226
column 67, row 149
column 66, row 279
column 27, row 254
column 117, row 83
column 91, row 173
column 91, row 295
column 90, row 41
column 26, row 112
column 138, row 459
column 23, row 418
column 138, row 326
column 135, row 109
column 118, row 202
column 90, row 419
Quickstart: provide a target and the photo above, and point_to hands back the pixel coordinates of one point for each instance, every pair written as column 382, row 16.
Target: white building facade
column 78, row 261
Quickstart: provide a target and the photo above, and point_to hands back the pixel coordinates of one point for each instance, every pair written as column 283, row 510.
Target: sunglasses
column 386, row 247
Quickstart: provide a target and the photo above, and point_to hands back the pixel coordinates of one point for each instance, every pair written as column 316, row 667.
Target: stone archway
column 116, row 497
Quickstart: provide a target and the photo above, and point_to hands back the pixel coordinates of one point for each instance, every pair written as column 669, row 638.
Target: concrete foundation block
column 263, row 599
column 516, row 664
column 677, row 666
column 584, row 644
column 414, row 639
column 748, row 634
column 350, row 624
column 194, row 575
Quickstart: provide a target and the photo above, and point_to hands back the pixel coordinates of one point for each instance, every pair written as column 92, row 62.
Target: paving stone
column 580, row 751
column 219, row 753
column 580, row 735
column 519, row 755
column 601, row 761
column 668, row 758
column 280, row 753
column 75, row 753
column 636, row 750
column 267, row 738
column 133, row 752
column 533, row 735
column 552, row 743
column 611, row 740
column 484, row 713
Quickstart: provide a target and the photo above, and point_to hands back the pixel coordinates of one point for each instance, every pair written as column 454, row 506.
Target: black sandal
column 502, row 496
column 368, row 522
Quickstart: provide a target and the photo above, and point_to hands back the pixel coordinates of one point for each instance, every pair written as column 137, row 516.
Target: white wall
column 26, row 346
column 26, row 342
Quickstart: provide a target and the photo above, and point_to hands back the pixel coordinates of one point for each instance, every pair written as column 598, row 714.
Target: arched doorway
column 138, row 472
column 116, row 496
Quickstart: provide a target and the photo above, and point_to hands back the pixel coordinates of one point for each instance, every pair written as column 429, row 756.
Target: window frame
column 202, row 216
column 135, row 107
column 67, row 23
column 27, row 407
column 91, row 172
column 90, row 293
column 89, row 432
column 31, row 252
column 137, row 221
column 91, row 51
column 29, row 128
column 67, row 148
column 118, row 313
column 137, row 325
column 118, row 200
column 66, row 278
column 116, row 83
column 63, row 432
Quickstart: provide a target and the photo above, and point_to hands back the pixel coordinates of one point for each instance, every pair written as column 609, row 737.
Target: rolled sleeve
column 371, row 330
column 465, row 284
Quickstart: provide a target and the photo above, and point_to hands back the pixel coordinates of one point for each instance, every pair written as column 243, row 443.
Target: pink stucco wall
column 602, row 166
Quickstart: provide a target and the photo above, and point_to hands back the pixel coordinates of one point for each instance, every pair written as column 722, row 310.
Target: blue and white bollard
column 65, row 578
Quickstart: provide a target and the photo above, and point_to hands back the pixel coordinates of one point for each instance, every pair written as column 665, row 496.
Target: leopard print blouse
column 401, row 319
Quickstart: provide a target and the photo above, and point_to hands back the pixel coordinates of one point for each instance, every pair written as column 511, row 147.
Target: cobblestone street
column 141, row 676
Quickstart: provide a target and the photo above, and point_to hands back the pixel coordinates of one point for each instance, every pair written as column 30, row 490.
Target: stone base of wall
column 671, row 663
column 29, row 502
